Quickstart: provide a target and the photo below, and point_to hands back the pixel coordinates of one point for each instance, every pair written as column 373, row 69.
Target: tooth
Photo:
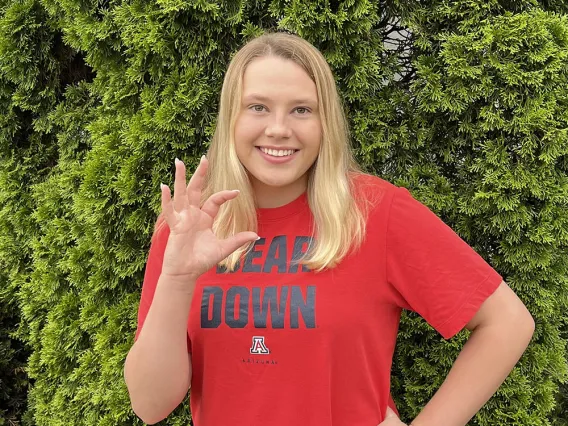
column 277, row 153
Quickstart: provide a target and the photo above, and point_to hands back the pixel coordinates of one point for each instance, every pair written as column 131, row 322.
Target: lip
column 277, row 160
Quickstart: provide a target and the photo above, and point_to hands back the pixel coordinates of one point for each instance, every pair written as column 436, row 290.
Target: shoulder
column 371, row 190
column 365, row 180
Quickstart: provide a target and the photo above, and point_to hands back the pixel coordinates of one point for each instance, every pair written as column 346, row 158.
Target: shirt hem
column 467, row 310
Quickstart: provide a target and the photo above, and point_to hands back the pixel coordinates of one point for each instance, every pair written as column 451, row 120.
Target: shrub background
column 463, row 102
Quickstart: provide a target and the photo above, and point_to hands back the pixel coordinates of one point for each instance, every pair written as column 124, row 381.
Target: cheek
column 246, row 129
column 311, row 134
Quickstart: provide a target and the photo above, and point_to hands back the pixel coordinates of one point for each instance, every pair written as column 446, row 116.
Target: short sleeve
column 151, row 276
column 431, row 270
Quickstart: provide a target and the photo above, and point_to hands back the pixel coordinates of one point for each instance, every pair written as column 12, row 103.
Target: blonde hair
column 338, row 218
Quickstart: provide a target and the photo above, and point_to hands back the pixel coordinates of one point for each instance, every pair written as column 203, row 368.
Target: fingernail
column 257, row 238
column 202, row 158
column 236, row 190
column 161, row 186
column 176, row 160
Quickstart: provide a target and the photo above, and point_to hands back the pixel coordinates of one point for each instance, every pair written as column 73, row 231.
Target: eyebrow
column 256, row 96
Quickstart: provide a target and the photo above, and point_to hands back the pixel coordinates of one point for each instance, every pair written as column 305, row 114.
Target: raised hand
column 192, row 247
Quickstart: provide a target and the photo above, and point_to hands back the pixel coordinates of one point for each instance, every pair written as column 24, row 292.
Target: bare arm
column 157, row 370
column 502, row 329
column 158, row 367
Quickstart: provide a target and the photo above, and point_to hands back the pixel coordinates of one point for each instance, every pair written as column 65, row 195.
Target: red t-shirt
column 275, row 344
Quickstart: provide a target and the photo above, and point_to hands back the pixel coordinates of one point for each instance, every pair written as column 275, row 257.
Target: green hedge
column 463, row 102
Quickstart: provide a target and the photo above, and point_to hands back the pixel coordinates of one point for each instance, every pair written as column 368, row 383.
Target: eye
column 302, row 110
column 256, row 108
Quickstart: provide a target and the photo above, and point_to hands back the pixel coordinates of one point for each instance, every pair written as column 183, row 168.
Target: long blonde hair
column 339, row 218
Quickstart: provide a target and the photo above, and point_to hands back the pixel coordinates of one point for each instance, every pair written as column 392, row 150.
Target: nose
column 278, row 128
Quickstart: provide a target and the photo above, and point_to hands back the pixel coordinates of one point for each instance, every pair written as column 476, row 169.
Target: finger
column 390, row 413
column 214, row 202
column 167, row 205
column 230, row 244
column 179, row 187
column 391, row 418
column 195, row 185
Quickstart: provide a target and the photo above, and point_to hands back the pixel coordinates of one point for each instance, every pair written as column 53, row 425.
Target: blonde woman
column 276, row 278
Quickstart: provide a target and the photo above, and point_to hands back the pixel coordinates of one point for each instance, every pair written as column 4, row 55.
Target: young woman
column 276, row 278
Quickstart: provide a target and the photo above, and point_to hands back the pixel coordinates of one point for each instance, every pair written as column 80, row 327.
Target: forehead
column 274, row 77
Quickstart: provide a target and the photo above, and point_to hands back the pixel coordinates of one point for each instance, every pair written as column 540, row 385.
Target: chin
column 273, row 181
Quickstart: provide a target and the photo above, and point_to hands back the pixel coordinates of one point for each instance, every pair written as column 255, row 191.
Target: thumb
column 232, row 243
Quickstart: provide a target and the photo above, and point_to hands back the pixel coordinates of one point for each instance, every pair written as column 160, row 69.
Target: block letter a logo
column 258, row 346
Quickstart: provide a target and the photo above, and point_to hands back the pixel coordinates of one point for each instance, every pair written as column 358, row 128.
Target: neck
column 268, row 197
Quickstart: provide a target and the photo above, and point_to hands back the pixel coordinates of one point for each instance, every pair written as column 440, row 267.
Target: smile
column 278, row 156
column 277, row 152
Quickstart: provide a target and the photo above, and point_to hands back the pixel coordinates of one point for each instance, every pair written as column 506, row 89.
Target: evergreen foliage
column 463, row 102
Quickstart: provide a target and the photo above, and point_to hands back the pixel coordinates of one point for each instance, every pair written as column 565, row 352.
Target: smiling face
column 278, row 129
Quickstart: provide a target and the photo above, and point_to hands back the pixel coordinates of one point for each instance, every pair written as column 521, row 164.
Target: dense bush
column 463, row 102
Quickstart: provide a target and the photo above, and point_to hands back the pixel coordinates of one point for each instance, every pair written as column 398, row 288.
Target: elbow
column 529, row 325
column 150, row 413
column 521, row 327
column 151, row 409
column 146, row 417
column 516, row 326
column 145, row 410
column 154, row 393
column 525, row 322
column 518, row 319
